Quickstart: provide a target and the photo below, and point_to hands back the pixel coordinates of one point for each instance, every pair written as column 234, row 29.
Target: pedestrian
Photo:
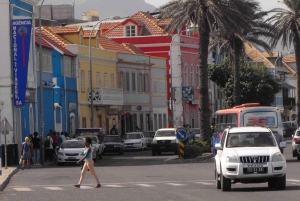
column 60, row 139
column 26, row 152
column 55, row 139
column 89, row 163
column 48, row 147
column 114, row 130
column 36, row 141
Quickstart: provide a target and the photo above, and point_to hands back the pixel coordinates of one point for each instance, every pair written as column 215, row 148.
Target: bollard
column 181, row 150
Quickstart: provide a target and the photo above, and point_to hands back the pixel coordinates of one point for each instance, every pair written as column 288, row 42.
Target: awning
column 285, row 85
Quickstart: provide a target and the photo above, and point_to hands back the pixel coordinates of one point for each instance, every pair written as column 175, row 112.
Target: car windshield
column 250, row 139
column 72, row 144
column 94, row 139
column 111, row 139
column 132, row 136
column 148, row 134
column 195, row 130
column 165, row 133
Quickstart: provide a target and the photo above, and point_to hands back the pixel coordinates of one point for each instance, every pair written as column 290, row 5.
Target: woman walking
column 26, row 152
column 89, row 163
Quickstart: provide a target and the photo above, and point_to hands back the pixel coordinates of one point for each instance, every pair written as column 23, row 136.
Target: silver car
column 296, row 144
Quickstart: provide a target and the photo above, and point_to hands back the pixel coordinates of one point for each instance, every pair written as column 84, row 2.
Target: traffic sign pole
column 181, row 135
column 181, row 150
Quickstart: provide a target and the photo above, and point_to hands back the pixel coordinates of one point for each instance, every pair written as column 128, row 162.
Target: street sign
column 5, row 126
column 181, row 134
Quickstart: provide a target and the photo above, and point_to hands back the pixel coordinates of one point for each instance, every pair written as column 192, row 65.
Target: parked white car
column 296, row 144
column 99, row 146
column 249, row 155
column 165, row 140
column 71, row 151
column 135, row 140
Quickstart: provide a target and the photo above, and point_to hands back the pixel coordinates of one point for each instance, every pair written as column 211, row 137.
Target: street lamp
column 91, row 71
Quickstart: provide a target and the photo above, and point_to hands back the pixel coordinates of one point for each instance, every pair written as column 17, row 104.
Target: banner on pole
column 21, row 35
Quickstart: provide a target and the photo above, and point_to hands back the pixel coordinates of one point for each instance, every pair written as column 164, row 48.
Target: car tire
column 272, row 183
column 295, row 153
column 298, row 157
column 218, row 182
column 153, row 153
column 281, row 183
column 225, row 183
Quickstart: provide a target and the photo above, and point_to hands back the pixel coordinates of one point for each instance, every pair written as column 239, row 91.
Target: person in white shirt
column 48, row 147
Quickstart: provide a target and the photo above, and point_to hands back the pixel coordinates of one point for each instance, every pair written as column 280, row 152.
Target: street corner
column 203, row 157
column 6, row 175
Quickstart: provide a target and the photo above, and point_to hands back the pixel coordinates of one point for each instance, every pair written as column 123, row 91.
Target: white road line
column 174, row 184
column 204, row 183
column 114, row 186
column 52, row 188
column 293, row 180
column 86, row 187
column 23, row 189
column 145, row 185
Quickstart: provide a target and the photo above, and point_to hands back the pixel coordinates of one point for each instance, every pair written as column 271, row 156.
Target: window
column 165, row 121
column 81, row 39
column 127, row 81
column 67, row 66
column 57, row 115
column 82, row 81
column 197, row 75
column 134, row 120
column 222, row 121
column 83, row 122
column 89, row 76
column 130, row 31
column 146, row 83
column 112, row 79
column 155, row 122
column 148, row 122
column 192, row 75
column 160, row 120
column 133, row 82
column 186, row 116
column 98, row 80
column 185, row 75
column 193, row 119
column 140, row 82
column 105, row 80
column 142, row 121
column 124, row 82
column 121, row 76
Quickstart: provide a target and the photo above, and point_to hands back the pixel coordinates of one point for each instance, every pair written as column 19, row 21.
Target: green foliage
column 191, row 151
column 203, row 145
column 257, row 84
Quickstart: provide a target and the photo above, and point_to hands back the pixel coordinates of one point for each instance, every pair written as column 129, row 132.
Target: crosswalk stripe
column 145, row 185
column 114, row 186
column 54, row 188
column 23, row 189
column 86, row 187
column 175, row 184
column 293, row 180
column 204, row 183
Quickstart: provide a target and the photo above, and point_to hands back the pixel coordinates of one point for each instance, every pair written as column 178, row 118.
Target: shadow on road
column 258, row 189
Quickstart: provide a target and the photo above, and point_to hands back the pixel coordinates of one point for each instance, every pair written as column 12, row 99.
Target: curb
column 7, row 179
column 194, row 160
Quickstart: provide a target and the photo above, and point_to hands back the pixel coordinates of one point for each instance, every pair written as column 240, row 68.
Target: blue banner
column 21, row 35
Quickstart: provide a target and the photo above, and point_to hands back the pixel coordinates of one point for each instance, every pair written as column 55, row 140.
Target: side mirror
column 218, row 146
column 282, row 145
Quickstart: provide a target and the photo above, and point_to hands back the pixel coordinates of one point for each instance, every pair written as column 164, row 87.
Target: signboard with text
column 187, row 94
column 268, row 119
column 21, row 35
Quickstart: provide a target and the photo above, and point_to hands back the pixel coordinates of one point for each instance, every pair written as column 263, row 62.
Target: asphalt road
column 137, row 176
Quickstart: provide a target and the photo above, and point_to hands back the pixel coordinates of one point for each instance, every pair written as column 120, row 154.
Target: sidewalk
column 204, row 157
column 6, row 175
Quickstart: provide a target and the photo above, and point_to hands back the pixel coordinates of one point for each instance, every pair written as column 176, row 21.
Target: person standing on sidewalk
column 26, row 152
column 89, row 163
column 48, row 147
column 36, row 141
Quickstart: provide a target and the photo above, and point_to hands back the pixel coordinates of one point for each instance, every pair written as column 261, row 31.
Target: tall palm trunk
column 296, row 42
column 204, row 111
column 236, row 73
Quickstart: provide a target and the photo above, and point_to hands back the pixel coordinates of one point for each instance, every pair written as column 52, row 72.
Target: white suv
column 249, row 155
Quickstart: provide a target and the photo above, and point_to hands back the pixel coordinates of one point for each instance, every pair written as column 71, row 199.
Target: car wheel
column 225, row 183
column 218, row 181
column 295, row 153
column 298, row 157
column 272, row 183
column 153, row 153
column 281, row 183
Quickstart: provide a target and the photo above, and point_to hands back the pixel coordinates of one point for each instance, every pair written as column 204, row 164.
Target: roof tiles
column 65, row 30
column 108, row 44
column 133, row 49
column 86, row 33
column 255, row 55
column 289, row 59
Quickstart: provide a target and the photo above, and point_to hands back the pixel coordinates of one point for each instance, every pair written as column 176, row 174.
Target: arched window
column 192, row 76
column 185, row 75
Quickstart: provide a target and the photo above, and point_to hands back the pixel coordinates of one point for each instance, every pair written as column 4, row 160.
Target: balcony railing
column 106, row 96
column 289, row 101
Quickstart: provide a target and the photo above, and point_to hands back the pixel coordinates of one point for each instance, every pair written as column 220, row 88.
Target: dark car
column 113, row 144
column 149, row 135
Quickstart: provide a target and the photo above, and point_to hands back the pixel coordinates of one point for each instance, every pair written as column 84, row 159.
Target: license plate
column 259, row 169
column 71, row 157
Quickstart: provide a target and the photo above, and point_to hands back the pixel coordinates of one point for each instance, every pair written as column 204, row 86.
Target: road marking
column 204, row 183
column 114, row 186
column 145, row 185
column 54, row 188
column 293, row 180
column 22, row 189
column 174, row 184
column 86, row 187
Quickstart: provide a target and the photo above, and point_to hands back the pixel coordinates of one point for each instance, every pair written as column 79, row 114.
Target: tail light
column 295, row 139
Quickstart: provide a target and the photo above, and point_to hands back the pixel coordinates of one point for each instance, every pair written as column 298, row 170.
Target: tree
column 234, row 42
column 257, row 84
column 206, row 15
column 287, row 27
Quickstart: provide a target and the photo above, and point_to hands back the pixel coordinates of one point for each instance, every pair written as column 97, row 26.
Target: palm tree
column 286, row 23
column 234, row 42
column 206, row 15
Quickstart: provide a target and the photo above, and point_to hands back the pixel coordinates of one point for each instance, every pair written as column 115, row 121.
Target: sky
column 265, row 4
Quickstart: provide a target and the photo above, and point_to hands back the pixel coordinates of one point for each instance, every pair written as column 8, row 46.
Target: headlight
column 60, row 153
column 231, row 158
column 277, row 157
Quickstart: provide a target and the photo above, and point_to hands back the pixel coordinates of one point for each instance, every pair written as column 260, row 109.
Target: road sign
column 5, row 126
column 181, row 134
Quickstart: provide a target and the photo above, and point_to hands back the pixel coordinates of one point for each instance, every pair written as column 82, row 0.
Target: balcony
column 106, row 96
column 287, row 102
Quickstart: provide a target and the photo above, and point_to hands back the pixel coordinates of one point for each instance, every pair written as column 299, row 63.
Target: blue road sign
column 181, row 134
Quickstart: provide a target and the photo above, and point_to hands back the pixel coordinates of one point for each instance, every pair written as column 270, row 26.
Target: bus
column 248, row 114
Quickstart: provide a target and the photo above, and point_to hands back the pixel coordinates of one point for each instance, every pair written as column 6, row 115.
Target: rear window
column 298, row 133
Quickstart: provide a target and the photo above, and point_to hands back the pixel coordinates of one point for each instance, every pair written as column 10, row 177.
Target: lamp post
column 41, row 85
column 91, row 72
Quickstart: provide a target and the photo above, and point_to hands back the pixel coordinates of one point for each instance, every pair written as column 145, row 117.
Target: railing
column 106, row 96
